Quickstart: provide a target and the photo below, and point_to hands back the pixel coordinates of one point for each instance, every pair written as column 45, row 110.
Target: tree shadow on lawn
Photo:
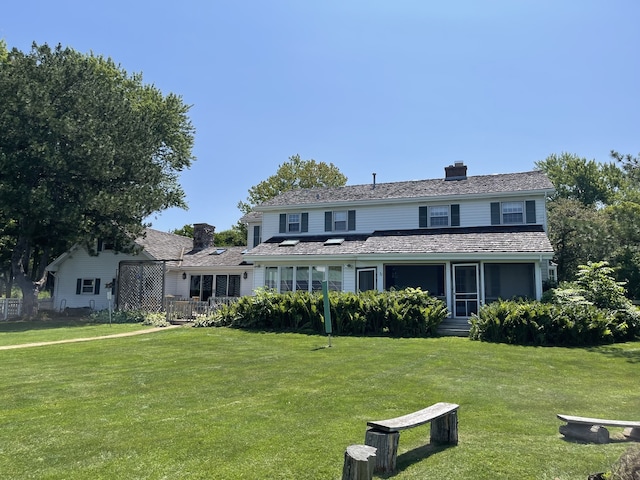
column 14, row 326
column 631, row 356
column 406, row 459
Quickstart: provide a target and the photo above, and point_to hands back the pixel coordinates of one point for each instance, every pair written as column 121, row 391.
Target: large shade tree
column 292, row 174
column 87, row 151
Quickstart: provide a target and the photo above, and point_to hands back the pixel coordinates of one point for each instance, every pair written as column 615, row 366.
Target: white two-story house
column 466, row 239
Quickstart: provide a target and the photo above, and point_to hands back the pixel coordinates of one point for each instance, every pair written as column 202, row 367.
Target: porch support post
column 448, row 282
column 538, row 279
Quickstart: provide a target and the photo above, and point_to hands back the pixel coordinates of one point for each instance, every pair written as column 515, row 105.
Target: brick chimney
column 457, row 171
column 203, row 236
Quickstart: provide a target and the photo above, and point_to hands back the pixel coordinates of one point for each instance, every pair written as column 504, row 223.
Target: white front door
column 466, row 292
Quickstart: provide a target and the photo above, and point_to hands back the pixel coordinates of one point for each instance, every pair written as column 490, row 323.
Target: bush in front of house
column 592, row 310
column 157, row 319
column 402, row 313
column 538, row 323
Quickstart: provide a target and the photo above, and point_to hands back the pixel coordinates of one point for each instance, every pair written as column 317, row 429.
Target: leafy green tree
column 589, row 182
column 578, row 233
column 292, row 174
column 86, row 151
column 234, row 237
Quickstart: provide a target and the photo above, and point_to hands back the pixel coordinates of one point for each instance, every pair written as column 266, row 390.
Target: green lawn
column 225, row 404
column 22, row 332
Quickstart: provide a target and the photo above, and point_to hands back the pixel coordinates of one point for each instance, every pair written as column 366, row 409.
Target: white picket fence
column 12, row 307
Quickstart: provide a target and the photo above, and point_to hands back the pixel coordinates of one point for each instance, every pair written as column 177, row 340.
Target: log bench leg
column 586, row 433
column 359, row 462
column 445, row 429
column 632, row 433
column 386, row 444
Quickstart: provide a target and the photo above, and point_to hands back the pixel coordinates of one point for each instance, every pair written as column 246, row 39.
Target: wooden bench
column 593, row 429
column 384, row 435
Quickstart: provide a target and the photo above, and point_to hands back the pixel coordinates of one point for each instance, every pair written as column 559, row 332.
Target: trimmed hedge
column 403, row 313
column 566, row 324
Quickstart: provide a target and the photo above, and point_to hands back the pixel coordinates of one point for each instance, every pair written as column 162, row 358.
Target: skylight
column 219, row 251
column 288, row 243
column 334, row 241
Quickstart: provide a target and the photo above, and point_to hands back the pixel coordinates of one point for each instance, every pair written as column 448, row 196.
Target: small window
column 339, row 221
column 88, row 285
column 293, row 222
column 512, row 212
column 439, row 216
column 257, row 237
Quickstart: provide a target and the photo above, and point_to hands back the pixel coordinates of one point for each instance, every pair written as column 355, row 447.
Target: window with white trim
column 88, row 286
column 512, row 212
column 293, row 222
column 340, row 221
column 439, row 216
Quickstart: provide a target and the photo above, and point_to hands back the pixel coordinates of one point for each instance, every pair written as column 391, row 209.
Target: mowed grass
column 52, row 330
column 226, row 404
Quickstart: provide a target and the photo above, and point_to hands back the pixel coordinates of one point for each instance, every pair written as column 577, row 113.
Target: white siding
column 404, row 216
column 79, row 264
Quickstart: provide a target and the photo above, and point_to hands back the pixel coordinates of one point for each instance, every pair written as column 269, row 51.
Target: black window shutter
column 328, row 221
column 283, row 223
column 351, row 221
column 495, row 213
column 256, row 235
column 100, row 244
column 531, row 211
column 455, row 215
column 422, row 217
column 97, row 289
column 304, row 222
column 78, row 286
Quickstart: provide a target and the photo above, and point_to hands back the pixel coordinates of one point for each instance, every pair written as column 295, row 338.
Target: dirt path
column 88, row 339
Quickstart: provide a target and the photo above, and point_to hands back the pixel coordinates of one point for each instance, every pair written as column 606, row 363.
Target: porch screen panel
column 221, row 285
column 508, row 281
column 234, row 286
column 429, row 278
column 286, row 279
column 271, row 277
column 194, row 286
column 207, row 287
column 302, row 279
column 335, row 279
column 317, row 277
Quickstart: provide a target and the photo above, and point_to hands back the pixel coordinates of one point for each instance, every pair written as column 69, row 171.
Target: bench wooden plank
column 414, row 419
column 598, row 421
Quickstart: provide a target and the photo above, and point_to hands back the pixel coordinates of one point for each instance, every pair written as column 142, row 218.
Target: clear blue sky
column 398, row 87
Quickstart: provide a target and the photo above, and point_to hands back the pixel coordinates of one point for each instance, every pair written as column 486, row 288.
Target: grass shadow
column 406, row 459
column 631, row 356
column 16, row 326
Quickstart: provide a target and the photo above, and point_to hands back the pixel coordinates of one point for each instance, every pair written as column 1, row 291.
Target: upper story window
column 294, row 222
column 257, row 236
column 340, row 221
column 513, row 213
column 439, row 216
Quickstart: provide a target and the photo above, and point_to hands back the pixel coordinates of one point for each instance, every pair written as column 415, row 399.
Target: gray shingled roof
column 171, row 247
column 473, row 185
column 499, row 239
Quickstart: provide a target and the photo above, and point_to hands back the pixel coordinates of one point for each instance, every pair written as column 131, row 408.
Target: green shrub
column 538, row 323
column 129, row 316
column 403, row 313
